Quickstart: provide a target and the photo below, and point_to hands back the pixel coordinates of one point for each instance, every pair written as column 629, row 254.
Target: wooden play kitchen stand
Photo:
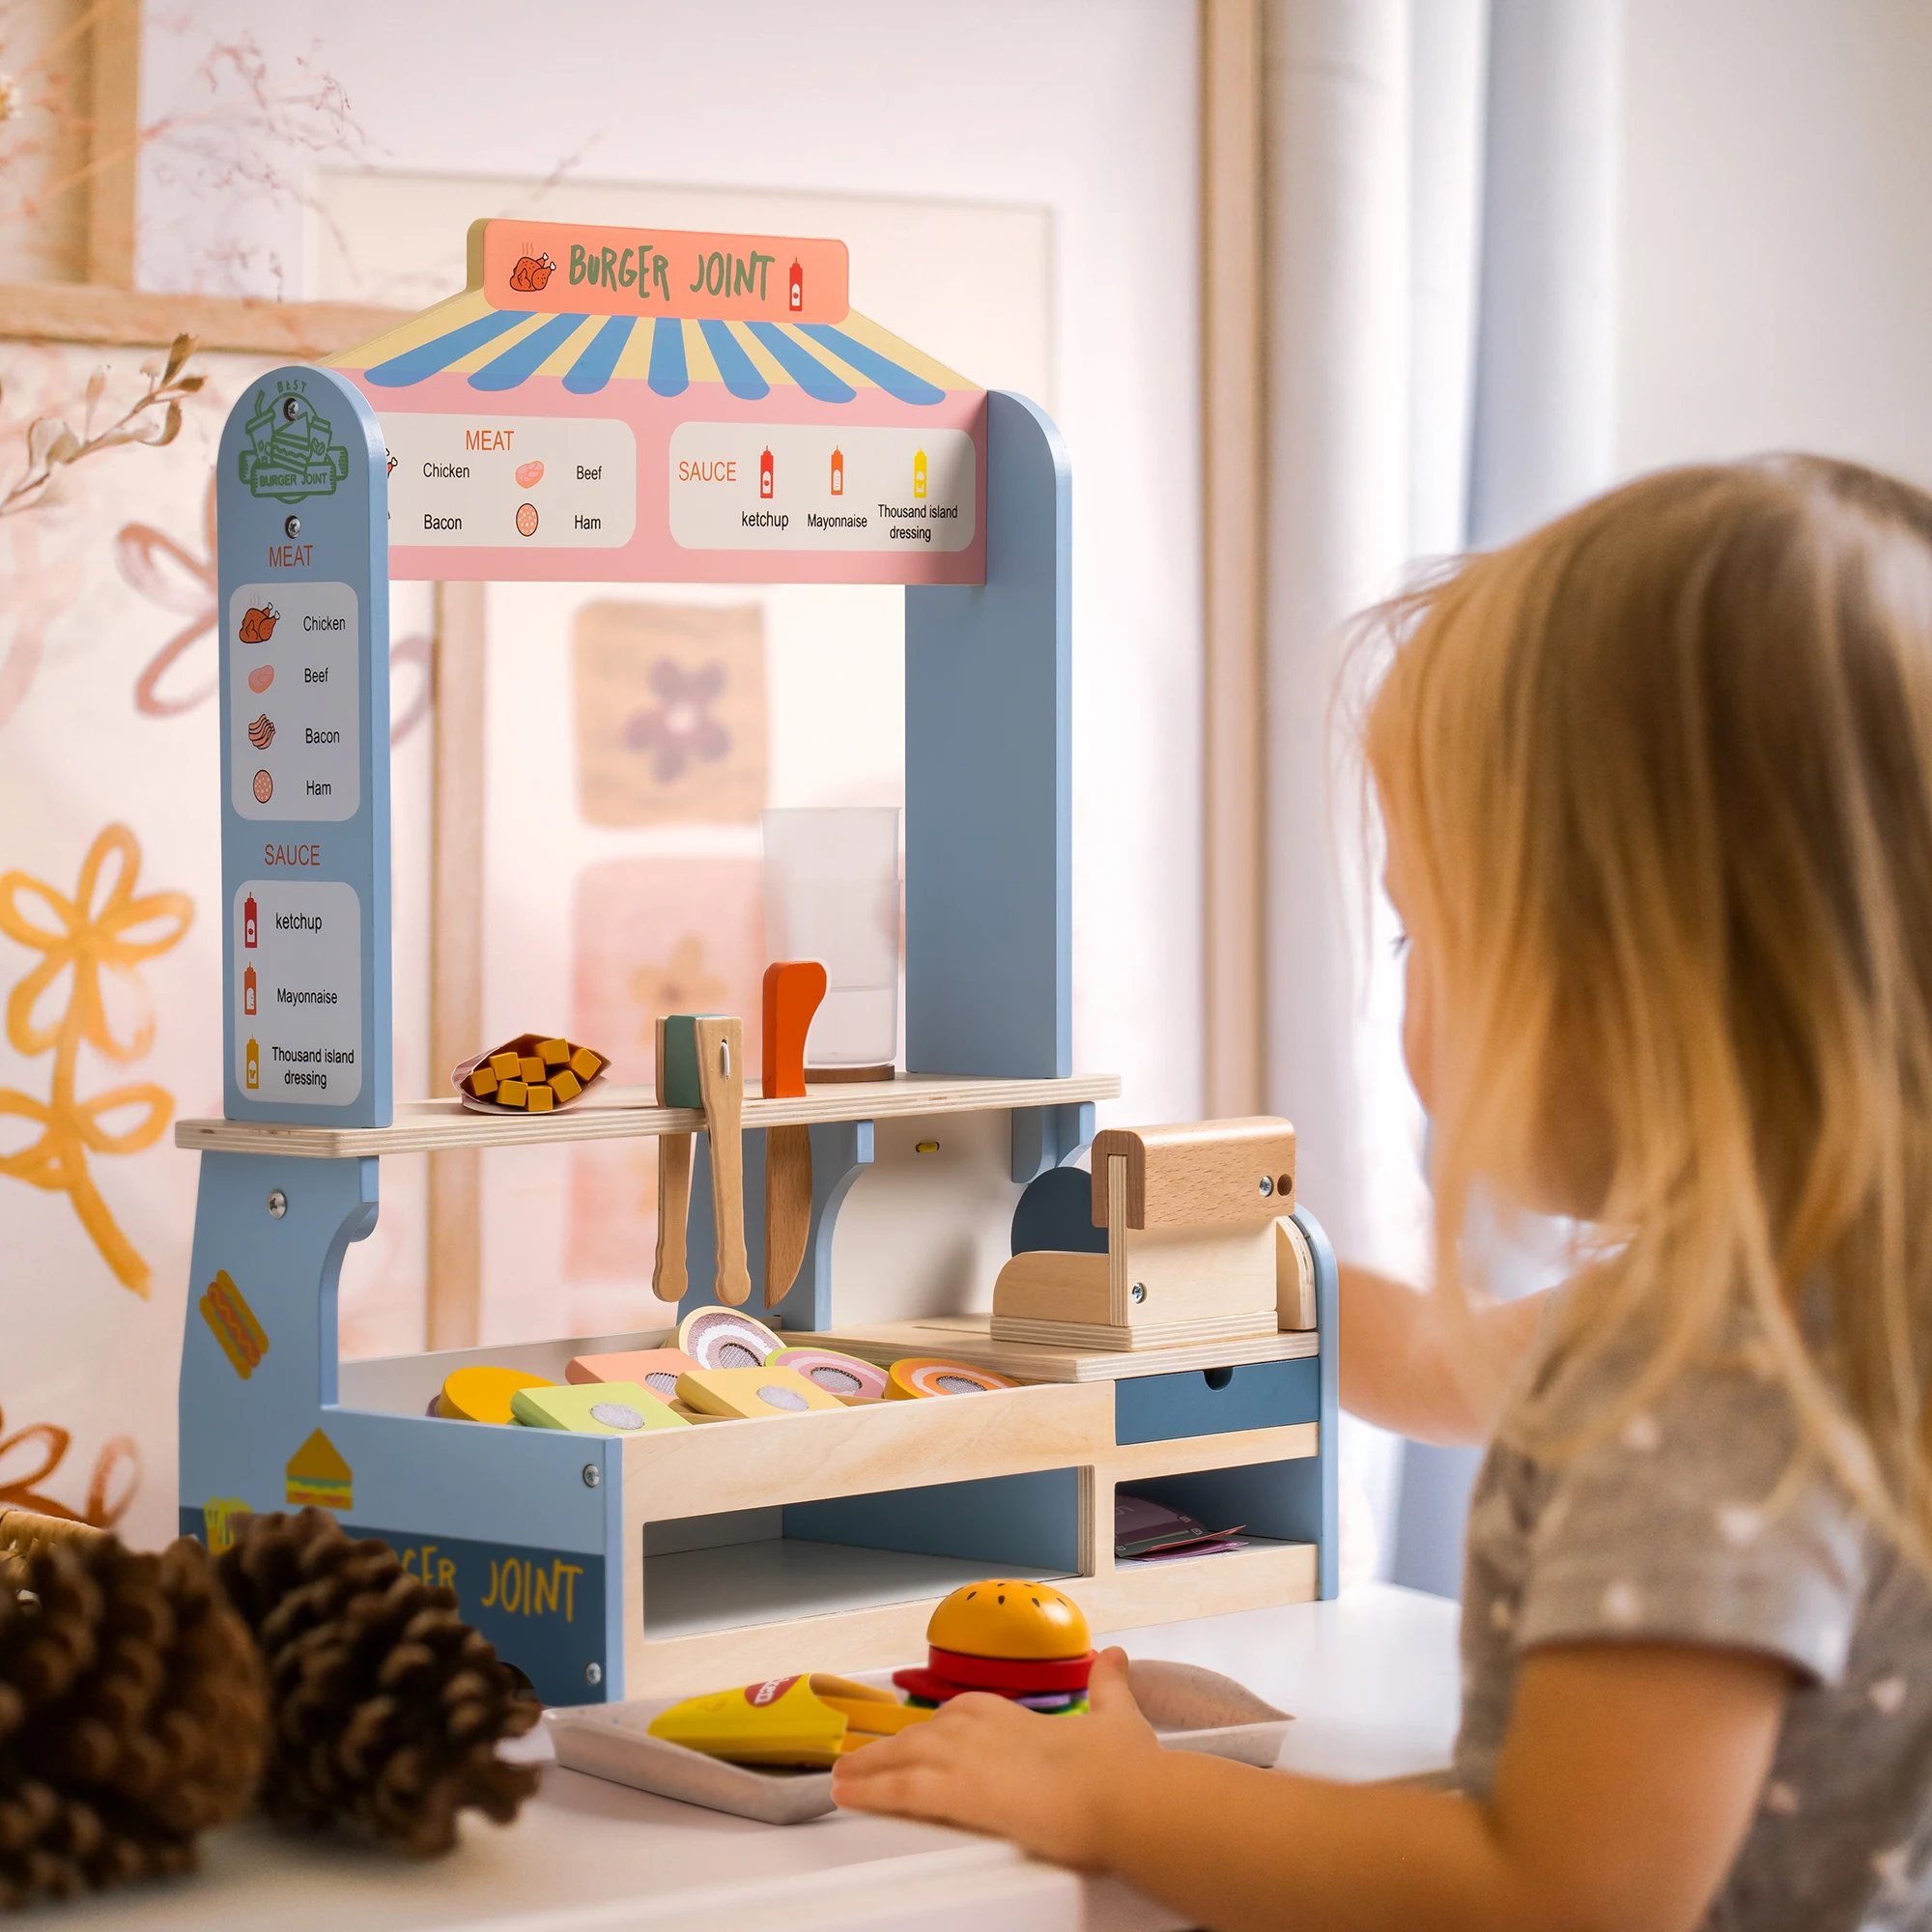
column 687, row 1558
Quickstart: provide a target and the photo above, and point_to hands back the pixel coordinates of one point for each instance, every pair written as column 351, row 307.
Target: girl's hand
column 1048, row 1784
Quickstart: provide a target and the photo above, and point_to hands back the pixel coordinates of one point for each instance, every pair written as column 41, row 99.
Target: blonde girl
column 1656, row 783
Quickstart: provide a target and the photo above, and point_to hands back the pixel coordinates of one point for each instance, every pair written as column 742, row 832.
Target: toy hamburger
column 1020, row 1640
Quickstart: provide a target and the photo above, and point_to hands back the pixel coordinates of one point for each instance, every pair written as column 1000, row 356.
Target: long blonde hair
column 1661, row 775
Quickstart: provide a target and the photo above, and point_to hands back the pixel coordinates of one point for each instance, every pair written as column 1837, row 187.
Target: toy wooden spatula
column 793, row 989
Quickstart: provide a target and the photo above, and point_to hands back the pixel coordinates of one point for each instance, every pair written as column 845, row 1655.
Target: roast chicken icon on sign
column 531, row 274
column 258, row 624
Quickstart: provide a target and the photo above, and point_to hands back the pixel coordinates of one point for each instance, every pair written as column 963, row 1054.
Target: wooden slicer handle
column 721, row 1074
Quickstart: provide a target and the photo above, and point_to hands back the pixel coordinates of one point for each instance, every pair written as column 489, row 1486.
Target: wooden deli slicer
column 1199, row 1247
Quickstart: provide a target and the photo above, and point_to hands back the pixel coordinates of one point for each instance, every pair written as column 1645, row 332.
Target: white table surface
column 1372, row 1680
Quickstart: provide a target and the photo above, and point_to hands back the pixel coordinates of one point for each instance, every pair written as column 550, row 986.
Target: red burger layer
column 1011, row 1673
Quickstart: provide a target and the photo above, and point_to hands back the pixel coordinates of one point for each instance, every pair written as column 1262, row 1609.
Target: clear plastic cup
column 832, row 893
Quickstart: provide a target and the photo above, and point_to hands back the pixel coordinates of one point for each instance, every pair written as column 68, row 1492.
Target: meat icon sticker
column 261, row 678
column 258, row 624
column 262, row 733
column 265, row 787
column 528, row 475
column 531, row 274
column 527, row 520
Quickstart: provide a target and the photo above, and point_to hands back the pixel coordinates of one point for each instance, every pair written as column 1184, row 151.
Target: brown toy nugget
column 532, row 1067
column 482, row 1082
column 541, row 1098
column 506, row 1065
column 555, row 1052
column 585, row 1063
column 514, row 1093
column 565, row 1085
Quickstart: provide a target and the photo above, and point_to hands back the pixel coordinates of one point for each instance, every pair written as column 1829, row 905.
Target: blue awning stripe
column 822, row 385
column 526, row 356
column 669, row 375
column 739, row 372
column 592, row 369
column 897, row 382
column 427, row 358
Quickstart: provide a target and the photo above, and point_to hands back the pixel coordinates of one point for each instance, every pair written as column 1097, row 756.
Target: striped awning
column 500, row 349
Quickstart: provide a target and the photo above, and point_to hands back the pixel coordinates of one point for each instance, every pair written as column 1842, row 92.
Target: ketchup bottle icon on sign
column 248, row 921
column 765, row 474
column 797, row 287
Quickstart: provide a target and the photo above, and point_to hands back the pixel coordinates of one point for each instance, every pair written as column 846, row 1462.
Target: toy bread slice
column 481, row 1393
column 753, row 1392
column 658, row 1369
column 725, row 1338
column 846, row 1377
column 595, row 1408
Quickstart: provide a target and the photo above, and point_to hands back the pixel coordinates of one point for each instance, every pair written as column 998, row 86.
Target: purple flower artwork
column 679, row 730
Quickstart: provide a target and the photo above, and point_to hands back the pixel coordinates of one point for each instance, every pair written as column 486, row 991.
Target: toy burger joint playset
column 1133, row 1423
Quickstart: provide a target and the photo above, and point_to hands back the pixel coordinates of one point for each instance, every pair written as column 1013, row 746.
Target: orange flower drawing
column 683, row 984
column 117, row 1474
column 80, row 938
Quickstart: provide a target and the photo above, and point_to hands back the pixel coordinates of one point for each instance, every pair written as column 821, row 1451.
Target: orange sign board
column 569, row 268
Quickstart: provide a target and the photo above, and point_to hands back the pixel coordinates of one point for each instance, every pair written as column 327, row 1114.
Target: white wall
column 1776, row 251
column 1085, row 106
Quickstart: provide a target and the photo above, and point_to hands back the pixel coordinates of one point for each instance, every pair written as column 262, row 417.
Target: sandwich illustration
column 317, row 1475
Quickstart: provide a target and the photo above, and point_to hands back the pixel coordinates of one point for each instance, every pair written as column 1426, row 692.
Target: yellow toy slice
column 812, row 1721
column 752, row 1392
column 482, row 1394
column 594, row 1408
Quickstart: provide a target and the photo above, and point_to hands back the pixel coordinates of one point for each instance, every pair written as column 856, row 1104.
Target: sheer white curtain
column 1440, row 266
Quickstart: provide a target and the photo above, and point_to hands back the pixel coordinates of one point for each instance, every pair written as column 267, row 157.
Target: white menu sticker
column 516, row 482
column 790, row 486
column 293, row 668
column 297, row 945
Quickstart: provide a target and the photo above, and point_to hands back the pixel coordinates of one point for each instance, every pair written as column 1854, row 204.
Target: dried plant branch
column 53, row 447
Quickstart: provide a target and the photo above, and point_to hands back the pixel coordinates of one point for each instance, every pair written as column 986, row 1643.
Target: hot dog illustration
column 528, row 475
column 258, row 624
column 227, row 1312
column 531, row 274
column 261, row 678
column 262, row 733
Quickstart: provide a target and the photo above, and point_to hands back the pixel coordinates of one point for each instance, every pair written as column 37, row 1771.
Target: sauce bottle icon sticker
column 248, row 990
column 254, row 1066
column 797, row 288
column 919, row 473
column 765, row 474
column 837, row 474
column 248, row 921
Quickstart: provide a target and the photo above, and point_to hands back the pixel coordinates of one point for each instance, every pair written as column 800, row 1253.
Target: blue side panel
column 302, row 540
column 546, row 1610
column 426, row 359
column 1021, row 1522
column 841, row 1151
column 1055, row 1212
column 1049, row 1137
column 739, row 372
column 591, row 370
column 669, row 375
column 526, row 355
column 805, row 369
column 895, row 380
column 1254, row 1395
column 1321, row 1508
column 989, row 813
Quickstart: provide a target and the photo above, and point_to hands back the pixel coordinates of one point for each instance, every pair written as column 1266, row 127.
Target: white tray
column 1190, row 1709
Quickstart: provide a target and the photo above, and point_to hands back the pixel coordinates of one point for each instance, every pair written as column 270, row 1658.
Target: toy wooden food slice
column 846, row 1377
column 482, row 1393
column 595, row 1408
column 727, row 1338
column 534, row 1073
column 658, row 1369
column 929, row 1375
column 752, row 1392
column 810, row 1720
column 1020, row 1640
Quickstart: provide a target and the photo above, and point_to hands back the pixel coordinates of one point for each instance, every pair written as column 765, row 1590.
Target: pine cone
column 132, row 1711
column 386, row 1707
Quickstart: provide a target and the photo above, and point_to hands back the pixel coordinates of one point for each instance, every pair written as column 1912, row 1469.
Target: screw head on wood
column 1267, row 1183
column 592, row 1475
column 278, row 1203
column 593, row 1673
column 1139, row 1291
column 292, row 527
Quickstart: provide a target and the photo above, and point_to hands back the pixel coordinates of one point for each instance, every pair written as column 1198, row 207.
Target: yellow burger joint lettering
column 520, row 1587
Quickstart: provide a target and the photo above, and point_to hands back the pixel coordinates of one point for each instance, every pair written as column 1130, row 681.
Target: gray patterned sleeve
column 1690, row 1524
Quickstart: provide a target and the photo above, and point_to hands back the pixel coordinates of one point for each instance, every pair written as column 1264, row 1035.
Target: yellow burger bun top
column 1007, row 1616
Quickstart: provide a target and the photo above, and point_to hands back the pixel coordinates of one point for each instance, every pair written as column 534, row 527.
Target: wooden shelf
column 626, row 1113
